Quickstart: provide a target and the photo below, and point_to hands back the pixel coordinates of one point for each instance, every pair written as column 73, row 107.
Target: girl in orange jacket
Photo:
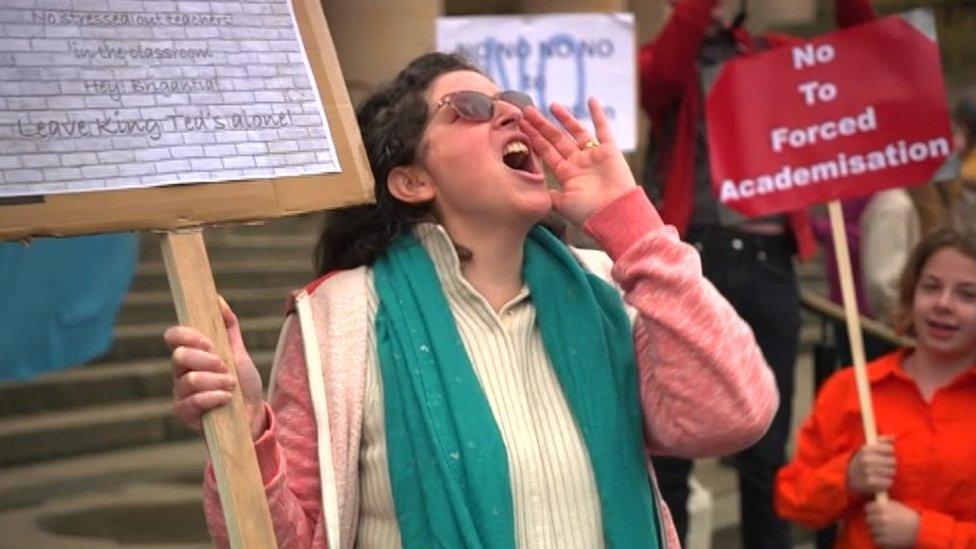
column 925, row 403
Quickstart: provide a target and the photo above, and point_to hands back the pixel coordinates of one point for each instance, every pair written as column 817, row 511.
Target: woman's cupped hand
column 590, row 172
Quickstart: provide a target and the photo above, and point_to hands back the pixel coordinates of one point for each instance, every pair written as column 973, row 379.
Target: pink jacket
column 705, row 388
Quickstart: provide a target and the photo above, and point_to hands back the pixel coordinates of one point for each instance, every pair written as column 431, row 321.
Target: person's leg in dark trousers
column 757, row 465
column 756, row 276
column 672, row 480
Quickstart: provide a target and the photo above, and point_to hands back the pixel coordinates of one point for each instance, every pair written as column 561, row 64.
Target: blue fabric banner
column 59, row 298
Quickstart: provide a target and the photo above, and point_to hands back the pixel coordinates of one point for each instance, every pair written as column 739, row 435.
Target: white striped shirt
column 554, row 492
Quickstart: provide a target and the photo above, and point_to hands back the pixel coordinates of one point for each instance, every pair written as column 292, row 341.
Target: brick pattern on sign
column 108, row 94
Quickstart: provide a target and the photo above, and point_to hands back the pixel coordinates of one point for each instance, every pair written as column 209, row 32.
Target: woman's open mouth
column 941, row 330
column 518, row 156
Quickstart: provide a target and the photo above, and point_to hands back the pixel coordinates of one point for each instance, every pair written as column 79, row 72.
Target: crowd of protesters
column 750, row 261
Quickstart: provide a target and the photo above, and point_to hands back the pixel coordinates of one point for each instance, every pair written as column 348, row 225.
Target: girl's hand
column 590, row 172
column 872, row 469
column 201, row 382
column 893, row 525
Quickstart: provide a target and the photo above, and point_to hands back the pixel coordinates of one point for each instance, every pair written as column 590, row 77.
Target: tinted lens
column 472, row 105
column 518, row 99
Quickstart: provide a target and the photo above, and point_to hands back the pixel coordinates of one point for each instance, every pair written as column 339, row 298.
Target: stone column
column 376, row 38
column 650, row 16
column 543, row 6
column 771, row 13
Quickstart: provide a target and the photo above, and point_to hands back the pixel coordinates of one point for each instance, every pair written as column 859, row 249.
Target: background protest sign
column 562, row 58
column 167, row 98
column 846, row 114
column 134, row 97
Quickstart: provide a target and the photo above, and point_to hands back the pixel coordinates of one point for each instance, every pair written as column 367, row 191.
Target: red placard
column 849, row 113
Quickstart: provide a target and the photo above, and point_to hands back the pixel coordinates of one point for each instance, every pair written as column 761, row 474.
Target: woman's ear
column 409, row 184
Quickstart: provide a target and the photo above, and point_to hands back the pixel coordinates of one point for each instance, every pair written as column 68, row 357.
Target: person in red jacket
column 748, row 260
column 925, row 404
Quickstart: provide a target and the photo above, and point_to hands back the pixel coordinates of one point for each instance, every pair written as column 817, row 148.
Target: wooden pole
column 846, row 276
column 226, row 429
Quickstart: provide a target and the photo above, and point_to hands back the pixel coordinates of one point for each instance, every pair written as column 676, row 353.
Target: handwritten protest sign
column 105, row 103
column 111, row 98
column 561, row 58
column 846, row 114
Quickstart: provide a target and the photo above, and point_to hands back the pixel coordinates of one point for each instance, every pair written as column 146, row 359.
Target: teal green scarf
column 448, row 465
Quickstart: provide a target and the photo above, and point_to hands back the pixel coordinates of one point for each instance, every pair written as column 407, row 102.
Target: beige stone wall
column 770, row 13
column 546, row 6
column 480, row 7
column 376, row 38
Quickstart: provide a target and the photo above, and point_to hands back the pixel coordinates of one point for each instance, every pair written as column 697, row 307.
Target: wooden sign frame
column 194, row 205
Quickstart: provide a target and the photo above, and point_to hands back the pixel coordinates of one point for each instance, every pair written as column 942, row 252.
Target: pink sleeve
column 705, row 387
column 287, row 456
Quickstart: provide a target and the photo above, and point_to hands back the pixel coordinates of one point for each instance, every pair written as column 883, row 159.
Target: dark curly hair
column 392, row 121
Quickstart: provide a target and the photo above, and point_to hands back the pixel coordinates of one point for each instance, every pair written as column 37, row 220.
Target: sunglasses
column 475, row 106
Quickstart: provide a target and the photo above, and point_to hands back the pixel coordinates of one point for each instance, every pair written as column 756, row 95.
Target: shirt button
column 736, row 244
column 761, row 255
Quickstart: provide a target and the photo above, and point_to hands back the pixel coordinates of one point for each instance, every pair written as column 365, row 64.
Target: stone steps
column 91, row 410
column 97, row 385
column 72, row 432
column 123, row 399
column 145, row 341
column 85, row 387
column 232, row 274
column 157, row 305
column 33, row 484
column 237, row 245
column 287, row 232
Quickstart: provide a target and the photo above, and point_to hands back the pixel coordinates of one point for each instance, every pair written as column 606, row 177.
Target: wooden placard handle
column 229, row 441
column 853, row 320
